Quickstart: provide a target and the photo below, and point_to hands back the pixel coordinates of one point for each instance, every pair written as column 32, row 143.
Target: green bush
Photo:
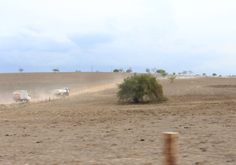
column 116, row 70
column 140, row 88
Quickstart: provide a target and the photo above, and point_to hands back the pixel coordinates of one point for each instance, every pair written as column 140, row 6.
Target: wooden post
column 170, row 148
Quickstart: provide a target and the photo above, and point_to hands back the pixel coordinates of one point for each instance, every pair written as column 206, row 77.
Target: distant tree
column 214, row 74
column 172, row 78
column 173, row 73
column 56, row 70
column 21, row 70
column 116, row 70
column 204, row 74
column 179, row 73
column 147, row 70
column 184, row 72
column 154, row 70
column 162, row 72
column 129, row 70
column 77, row 70
column 190, row 72
column 97, row 70
column 138, row 87
column 121, row 70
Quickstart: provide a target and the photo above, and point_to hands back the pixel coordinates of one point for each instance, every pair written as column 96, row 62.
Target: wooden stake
column 170, row 148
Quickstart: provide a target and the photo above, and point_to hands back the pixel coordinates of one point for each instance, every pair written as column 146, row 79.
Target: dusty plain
column 91, row 128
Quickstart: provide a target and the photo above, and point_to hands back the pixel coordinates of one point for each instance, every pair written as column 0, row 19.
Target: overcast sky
column 175, row 35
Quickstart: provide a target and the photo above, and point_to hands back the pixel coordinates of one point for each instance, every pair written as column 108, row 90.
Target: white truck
column 21, row 95
column 61, row 92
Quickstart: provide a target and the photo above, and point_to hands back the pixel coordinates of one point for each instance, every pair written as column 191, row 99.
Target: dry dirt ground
column 93, row 129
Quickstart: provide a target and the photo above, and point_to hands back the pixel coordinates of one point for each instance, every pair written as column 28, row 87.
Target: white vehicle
column 21, row 95
column 61, row 92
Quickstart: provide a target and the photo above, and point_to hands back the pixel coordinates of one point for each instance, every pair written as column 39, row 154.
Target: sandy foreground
column 91, row 128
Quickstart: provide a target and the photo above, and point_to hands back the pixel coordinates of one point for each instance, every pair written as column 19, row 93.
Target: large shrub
column 140, row 88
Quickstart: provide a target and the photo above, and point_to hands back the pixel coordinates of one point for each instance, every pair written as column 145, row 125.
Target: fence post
column 170, row 148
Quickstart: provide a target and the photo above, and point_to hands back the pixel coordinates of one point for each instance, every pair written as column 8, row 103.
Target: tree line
column 129, row 70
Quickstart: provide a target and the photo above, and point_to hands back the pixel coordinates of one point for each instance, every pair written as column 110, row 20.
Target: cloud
column 229, row 48
column 44, row 59
column 27, row 40
column 90, row 40
column 204, row 18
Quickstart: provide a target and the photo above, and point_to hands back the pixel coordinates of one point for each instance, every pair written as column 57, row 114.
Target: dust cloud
column 41, row 85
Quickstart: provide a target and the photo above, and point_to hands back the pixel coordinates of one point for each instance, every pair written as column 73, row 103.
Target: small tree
column 147, row 70
column 184, row 72
column 154, row 70
column 190, row 72
column 121, row 70
column 116, row 70
column 162, row 72
column 179, row 73
column 172, row 78
column 173, row 73
column 214, row 74
column 204, row 74
column 129, row 70
column 136, row 87
column 56, row 70
column 21, row 70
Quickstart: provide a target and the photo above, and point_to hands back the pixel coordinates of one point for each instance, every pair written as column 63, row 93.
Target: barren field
column 91, row 128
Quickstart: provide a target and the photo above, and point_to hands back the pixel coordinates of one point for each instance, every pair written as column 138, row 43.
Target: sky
column 174, row 35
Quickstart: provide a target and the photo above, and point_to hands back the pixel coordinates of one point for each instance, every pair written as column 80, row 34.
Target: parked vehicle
column 61, row 92
column 21, row 95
